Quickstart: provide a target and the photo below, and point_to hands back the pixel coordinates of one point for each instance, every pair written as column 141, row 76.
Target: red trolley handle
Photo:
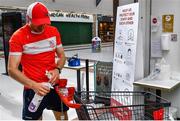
column 67, row 100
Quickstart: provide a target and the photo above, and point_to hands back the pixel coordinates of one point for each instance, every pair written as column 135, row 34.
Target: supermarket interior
column 89, row 60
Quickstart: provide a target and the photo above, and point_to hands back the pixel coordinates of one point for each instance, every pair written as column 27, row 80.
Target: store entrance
column 105, row 28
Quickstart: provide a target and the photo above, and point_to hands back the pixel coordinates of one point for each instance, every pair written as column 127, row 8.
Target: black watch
column 59, row 69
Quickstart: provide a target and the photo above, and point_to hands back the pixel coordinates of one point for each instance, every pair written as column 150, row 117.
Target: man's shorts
column 51, row 102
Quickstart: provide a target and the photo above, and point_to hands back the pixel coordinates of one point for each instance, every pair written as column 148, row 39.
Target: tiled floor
column 11, row 91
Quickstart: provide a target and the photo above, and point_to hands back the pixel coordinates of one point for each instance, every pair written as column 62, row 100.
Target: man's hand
column 40, row 89
column 55, row 76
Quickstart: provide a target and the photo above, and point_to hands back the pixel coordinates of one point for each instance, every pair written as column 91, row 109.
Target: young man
column 34, row 46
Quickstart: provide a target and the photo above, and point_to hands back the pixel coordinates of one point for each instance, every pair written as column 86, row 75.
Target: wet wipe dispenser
column 74, row 61
column 165, row 41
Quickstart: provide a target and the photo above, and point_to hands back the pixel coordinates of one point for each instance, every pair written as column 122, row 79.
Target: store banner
column 71, row 17
column 125, row 47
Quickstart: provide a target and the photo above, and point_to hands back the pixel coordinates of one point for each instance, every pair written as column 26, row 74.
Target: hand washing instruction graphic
column 131, row 35
column 128, row 76
column 120, row 37
column 129, row 52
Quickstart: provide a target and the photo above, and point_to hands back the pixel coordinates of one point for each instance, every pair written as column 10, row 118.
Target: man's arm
column 61, row 57
column 14, row 72
column 60, row 64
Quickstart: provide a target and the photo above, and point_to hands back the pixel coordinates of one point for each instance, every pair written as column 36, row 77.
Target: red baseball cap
column 38, row 14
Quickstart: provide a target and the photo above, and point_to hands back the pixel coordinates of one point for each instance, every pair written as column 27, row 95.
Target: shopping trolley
column 66, row 97
column 121, row 105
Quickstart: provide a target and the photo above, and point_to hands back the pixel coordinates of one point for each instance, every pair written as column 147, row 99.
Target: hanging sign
column 71, row 17
column 125, row 47
column 168, row 23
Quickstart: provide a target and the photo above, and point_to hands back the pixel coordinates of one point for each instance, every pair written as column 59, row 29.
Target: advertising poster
column 103, row 81
column 125, row 47
column 103, row 77
column 167, row 23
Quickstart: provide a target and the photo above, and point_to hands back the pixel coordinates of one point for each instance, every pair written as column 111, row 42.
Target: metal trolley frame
column 121, row 105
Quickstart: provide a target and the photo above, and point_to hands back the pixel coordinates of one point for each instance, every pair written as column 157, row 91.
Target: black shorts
column 51, row 101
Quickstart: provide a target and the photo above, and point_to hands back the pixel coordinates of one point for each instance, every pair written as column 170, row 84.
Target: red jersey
column 37, row 50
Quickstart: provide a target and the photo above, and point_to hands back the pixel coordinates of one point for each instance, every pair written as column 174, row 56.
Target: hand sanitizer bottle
column 36, row 101
column 34, row 104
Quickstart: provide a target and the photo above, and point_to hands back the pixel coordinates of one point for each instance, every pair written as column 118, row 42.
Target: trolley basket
column 121, row 105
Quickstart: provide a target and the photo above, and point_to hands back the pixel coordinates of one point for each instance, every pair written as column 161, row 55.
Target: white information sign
column 125, row 47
